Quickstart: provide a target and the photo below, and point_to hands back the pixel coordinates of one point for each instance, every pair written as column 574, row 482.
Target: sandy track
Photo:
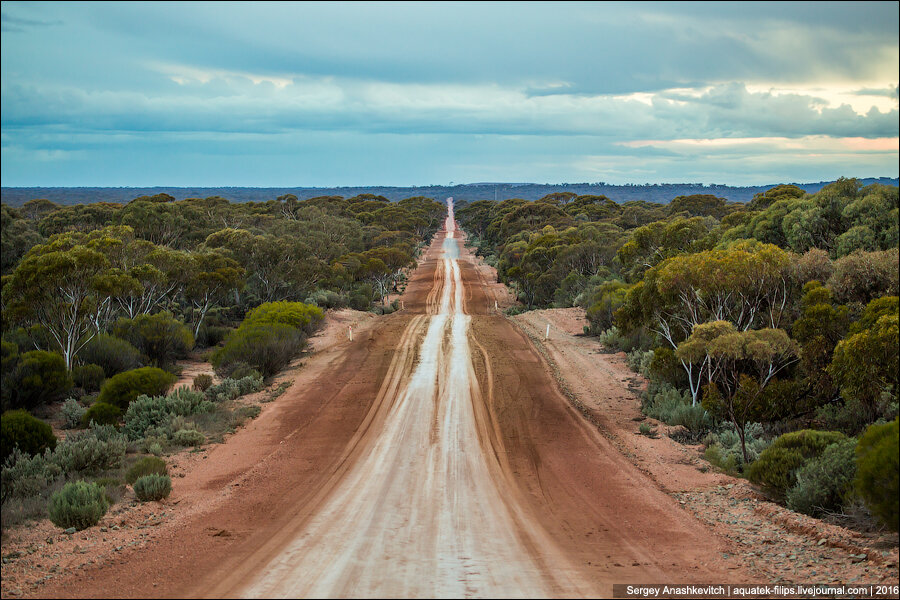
column 433, row 456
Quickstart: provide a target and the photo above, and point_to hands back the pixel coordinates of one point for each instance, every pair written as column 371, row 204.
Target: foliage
column 161, row 337
column 88, row 377
column 102, row 413
column 664, row 402
column 120, row 390
column 39, row 377
column 86, row 452
column 777, row 466
column 639, row 361
column 877, row 471
column 18, row 429
column 188, row 437
column 268, row 347
column 863, row 276
column 229, row 389
column 78, row 504
column 202, row 382
column 866, row 364
column 72, row 413
column 823, row 482
column 153, row 415
column 152, row 487
column 738, row 365
column 24, row 476
column 724, row 448
column 113, row 354
column 146, row 466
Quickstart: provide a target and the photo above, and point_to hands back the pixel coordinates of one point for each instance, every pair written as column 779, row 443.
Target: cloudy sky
column 296, row 94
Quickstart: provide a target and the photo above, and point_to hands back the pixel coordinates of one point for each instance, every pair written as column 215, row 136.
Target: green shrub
column 776, row 468
column 112, row 354
column 40, row 377
column 161, row 337
column 327, row 299
column 267, row 347
column 613, row 339
column 877, row 471
column 85, row 452
column 72, row 412
column 149, row 465
column 241, row 370
column 152, row 415
column 24, row 476
column 304, row 317
column 723, row 449
column 18, row 429
column 120, row 390
column 661, row 401
column 152, row 487
column 639, row 361
column 824, row 482
column 9, row 359
column 79, row 504
column 694, row 419
column 230, row 389
column 212, row 335
column 202, row 382
column 101, row 413
column 188, row 437
column 666, row 368
column 88, row 377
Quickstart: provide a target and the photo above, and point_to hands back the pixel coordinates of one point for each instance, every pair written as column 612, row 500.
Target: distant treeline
column 661, row 193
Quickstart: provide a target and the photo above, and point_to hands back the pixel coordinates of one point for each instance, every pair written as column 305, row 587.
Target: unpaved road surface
column 431, row 456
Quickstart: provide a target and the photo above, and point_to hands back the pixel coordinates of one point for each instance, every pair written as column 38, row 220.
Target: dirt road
column 432, row 456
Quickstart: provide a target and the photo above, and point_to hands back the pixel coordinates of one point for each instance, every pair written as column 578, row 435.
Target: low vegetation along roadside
column 768, row 331
column 101, row 301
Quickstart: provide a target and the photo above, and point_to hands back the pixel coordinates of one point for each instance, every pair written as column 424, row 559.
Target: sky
column 331, row 94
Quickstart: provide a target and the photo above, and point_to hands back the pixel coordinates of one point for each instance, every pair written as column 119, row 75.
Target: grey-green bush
column 72, row 412
column 152, row 487
column 723, row 449
column 149, row 465
column 152, row 415
column 823, row 482
column 639, row 361
column 78, row 504
column 230, row 389
column 84, row 452
column 776, row 468
column 24, row 475
column 189, row 437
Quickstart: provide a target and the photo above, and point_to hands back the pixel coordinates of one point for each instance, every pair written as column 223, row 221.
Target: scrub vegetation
column 768, row 329
column 100, row 302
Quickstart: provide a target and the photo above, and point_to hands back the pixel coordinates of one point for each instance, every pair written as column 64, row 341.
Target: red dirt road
column 432, row 456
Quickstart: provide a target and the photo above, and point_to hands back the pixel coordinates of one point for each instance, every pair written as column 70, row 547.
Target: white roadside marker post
column 547, row 333
column 350, row 329
column 495, row 305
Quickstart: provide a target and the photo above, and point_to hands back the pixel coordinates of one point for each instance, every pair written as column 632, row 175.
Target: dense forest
column 768, row 330
column 101, row 300
column 661, row 193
